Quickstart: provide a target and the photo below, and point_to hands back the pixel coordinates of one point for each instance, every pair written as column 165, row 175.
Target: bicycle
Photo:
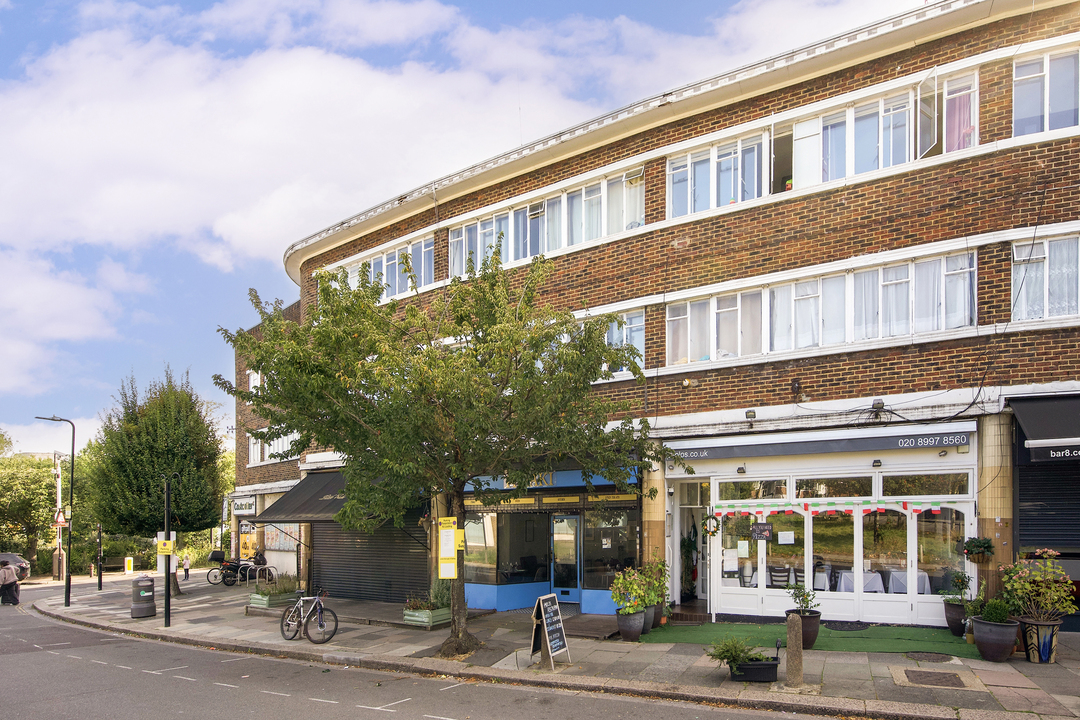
column 319, row 621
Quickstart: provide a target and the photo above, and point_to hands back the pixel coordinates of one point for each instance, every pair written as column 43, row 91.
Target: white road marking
column 74, row 657
column 386, row 707
column 397, row 703
column 227, row 685
column 158, row 672
column 123, row 666
column 438, row 717
column 450, row 686
column 234, row 659
column 57, row 644
column 271, row 692
column 332, row 702
column 52, row 652
column 99, row 662
column 181, row 677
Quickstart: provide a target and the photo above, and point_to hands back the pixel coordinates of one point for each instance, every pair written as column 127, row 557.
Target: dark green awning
column 316, row 498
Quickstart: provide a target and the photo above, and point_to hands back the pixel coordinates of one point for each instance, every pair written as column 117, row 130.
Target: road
column 55, row 670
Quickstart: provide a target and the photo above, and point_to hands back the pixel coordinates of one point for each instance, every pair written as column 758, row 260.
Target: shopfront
column 875, row 523
column 557, row 539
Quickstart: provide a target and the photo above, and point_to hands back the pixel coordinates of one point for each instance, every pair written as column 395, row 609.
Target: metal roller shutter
column 386, row 566
column 1050, row 507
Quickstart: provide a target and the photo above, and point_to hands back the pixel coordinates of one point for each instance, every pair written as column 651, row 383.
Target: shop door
column 565, row 558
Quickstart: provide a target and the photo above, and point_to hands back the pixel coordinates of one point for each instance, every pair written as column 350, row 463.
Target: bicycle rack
column 263, row 571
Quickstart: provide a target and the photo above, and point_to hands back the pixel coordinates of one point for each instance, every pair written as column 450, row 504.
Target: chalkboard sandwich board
column 548, row 635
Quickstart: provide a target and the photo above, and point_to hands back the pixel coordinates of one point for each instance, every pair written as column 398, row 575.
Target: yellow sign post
column 164, row 547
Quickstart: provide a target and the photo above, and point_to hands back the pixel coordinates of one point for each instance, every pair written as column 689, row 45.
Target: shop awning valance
column 1051, row 425
column 316, row 498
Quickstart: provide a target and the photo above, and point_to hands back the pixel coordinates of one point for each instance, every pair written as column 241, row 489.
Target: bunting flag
column 816, row 510
column 849, row 509
column 935, row 508
column 832, row 508
column 789, row 511
column 916, row 508
column 867, row 510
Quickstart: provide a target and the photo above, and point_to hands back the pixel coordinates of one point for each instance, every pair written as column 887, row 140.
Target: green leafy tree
column 167, row 430
column 27, row 500
column 5, row 443
column 472, row 387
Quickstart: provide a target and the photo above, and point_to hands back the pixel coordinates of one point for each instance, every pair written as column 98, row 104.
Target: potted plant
column 978, row 548
column 995, row 633
column 1040, row 591
column 744, row 662
column 955, row 599
column 972, row 608
column 656, row 575
column 431, row 610
column 804, row 606
column 279, row 593
column 628, row 592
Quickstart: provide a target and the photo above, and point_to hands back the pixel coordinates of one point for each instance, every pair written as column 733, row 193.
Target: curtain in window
column 928, row 295
column 959, row 291
column 698, row 340
column 866, row 304
column 676, row 334
column 727, row 326
column 635, row 203
column 895, row 302
column 833, row 310
column 780, row 318
column 807, row 314
column 592, row 212
column 750, row 322
column 1062, row 278
column 1027, row 282
column 1064, row 91
column 806, row 153
column 959, row 117
column 553, row 217
column 574, row 211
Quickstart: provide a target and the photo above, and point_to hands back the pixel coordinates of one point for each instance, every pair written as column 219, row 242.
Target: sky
column 157, row 158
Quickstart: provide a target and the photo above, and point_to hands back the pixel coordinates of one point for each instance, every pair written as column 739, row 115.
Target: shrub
column 628, row 591
column 440, row 592
column 732, row 651
column 1038, row 587
column 282, row 585
column 803, row 598
column 996, row 611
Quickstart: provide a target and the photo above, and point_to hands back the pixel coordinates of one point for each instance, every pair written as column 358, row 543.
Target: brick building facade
column 847, row 268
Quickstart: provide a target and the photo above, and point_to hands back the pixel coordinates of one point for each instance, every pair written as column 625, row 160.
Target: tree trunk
column 31, row 550
column 174, row 584
column 460, row 641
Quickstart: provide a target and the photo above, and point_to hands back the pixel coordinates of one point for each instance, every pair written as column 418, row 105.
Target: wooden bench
column 109, row 564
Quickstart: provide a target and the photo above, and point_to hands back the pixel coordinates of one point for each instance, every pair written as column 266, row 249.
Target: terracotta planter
column 995, row 641
column 658, row 615
column 1040, row 639
column 811, row 624
column 954, row 616
column 647, row 623
column 630, row 625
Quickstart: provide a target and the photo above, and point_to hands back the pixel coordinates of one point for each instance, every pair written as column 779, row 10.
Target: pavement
column 372, row 636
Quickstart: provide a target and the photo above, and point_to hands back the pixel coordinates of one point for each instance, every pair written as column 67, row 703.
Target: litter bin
column 142, row 598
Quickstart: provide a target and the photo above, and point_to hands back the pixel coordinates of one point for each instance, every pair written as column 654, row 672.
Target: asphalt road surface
column 53, row 670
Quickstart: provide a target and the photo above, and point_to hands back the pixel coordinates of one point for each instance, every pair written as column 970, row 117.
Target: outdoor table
column 871, row 582
column 898, row 582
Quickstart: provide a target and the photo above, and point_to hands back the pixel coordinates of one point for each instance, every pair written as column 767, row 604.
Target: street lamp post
column 71, row 504
column 169, row 556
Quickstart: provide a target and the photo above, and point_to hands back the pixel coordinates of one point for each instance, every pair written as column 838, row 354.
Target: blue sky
column 158, row 157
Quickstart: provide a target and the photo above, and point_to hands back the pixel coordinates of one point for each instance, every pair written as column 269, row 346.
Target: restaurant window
column 940, row 546
column 611, row 543
column 885, row 551
column 752, row 490
column 839, row 487
column 834, row 552
column 915, row 485
column 480, row 548
column 523, row 547
column 739, row 552
column 784, row 552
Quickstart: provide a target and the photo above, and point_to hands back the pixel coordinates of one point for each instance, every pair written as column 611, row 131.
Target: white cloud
column 44, row 436
column 150, row 128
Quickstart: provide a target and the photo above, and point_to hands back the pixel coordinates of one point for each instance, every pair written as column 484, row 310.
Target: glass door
column 565, row 552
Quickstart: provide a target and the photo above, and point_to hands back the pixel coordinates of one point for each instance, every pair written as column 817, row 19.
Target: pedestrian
column 9, row 584
column 187, row 565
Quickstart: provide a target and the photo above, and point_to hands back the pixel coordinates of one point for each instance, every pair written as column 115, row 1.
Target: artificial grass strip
column 877, row 638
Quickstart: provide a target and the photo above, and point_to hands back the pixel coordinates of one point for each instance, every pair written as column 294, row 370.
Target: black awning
column 1051, row 426
column 316, row 498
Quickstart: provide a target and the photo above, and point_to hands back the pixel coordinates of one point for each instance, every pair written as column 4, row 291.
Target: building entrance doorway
column 565, row 557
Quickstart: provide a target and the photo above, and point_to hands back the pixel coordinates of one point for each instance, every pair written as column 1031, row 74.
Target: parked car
column 22, row 567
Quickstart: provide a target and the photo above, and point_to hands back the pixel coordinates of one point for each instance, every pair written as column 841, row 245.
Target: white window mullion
column 765, row 167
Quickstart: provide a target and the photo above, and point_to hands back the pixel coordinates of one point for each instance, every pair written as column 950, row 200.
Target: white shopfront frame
column 912, row 607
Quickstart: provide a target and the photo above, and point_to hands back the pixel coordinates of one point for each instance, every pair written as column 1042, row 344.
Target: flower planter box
column 811, row 625
column 271, row 601
column 757, row 671
column 426, row 618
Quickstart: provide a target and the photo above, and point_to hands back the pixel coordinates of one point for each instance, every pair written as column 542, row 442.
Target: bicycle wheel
column 229, row 578
column 320, row 627
column 214, row 576
column 290, row 622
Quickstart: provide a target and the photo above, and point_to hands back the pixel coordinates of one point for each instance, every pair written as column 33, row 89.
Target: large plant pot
column 630, row 625
column 955, row 616
column 646, row 624
column 426, row 618
column 1040, row 639
column 995, row 641
column 811, row 624
column 271, row 601
column 658, row 615
column 757, row 671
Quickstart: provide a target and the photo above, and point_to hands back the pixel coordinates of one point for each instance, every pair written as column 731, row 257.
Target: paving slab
column 1005, row 679
column 859, row 689
column 1033, row 700
column 1069, row 702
